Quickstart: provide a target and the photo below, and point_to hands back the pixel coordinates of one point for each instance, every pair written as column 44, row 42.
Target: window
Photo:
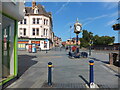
column 33, row 31
column 24, row 21
column 37, row 31
column 33, row 20
column 24, row 31
column 44, row 21
column 37, row 20
column 21, row 22
column 36, row 11
column 44, row 32
column 20, row 31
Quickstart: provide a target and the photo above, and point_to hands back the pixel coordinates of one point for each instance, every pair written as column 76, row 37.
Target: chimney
column 33, row 3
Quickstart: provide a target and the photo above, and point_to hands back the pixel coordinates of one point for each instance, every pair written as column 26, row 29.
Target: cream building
column 36, row 27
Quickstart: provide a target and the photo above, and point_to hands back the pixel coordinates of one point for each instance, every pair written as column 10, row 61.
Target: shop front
column 8, row 40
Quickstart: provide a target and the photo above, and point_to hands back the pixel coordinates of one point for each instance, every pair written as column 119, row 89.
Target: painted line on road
column 109, row 70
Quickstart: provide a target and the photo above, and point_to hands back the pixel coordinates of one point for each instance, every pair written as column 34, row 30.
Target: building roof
column 41, row 10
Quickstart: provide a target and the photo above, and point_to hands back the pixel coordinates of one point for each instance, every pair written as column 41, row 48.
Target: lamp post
column 70, row 37
column 90, row 43
column 116, row 27
column 77, row 30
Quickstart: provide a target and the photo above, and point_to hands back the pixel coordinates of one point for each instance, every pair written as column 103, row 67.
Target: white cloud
column 91, row 19
column 62, row 7
column 110, row 23
column 111, row 5
column 69, row 24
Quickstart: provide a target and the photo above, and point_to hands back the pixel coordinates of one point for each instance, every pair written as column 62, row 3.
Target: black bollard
column 91, row 74
column 49, row 73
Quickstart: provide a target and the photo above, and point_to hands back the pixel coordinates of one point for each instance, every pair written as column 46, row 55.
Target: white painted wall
column 29, row 26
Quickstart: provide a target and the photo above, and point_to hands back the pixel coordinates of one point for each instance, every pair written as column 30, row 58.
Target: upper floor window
column 44, row 31
column 33, row 20
column 36, row 11
column 21, row 22
column 24, row 31
column 33, row 33
column 44, row 21
column 37, row 31
column 24, row 21
column 37, row 20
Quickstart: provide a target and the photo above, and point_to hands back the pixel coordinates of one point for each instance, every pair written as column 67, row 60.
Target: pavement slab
column 67, row 73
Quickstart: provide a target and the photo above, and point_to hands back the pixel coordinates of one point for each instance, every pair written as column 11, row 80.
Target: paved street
column 66, row 72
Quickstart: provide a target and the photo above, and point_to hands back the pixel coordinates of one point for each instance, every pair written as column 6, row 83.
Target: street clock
column 77, row 27
column 116, row 27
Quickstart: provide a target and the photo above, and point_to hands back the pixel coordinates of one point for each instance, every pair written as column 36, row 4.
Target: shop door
column 5, row 54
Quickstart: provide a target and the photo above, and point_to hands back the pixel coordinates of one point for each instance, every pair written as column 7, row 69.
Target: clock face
column 78, row 28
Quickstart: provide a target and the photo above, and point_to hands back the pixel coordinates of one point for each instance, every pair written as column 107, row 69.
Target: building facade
column 8, row 39
column 72, row 41
column 57, row 41
column 36, row 28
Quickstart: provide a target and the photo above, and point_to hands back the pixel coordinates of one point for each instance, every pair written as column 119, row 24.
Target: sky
column 96, row 17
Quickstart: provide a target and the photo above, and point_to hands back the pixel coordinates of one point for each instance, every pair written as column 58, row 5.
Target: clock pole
column 77, row 30
column 77, row 50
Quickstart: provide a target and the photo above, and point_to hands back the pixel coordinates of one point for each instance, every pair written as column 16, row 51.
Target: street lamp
column 90, row 43
column 77, row 30
column 116, row 27
column 70, row 37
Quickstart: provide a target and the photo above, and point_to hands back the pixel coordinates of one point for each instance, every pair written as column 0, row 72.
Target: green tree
column 97, row 40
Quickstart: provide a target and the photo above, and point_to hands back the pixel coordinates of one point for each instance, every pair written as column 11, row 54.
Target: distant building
column 36, row 28
column 72, row 41
column 64, row 43
column 57, row 41
column 11, row 13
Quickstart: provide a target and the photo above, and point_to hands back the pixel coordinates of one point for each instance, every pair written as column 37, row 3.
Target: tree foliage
column 97, row 40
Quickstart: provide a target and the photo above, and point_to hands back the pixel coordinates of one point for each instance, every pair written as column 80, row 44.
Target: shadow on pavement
column 24, row 63
column 84, row 79
column 106, row 62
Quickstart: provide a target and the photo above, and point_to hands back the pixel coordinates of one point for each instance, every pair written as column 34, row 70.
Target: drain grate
column 64, row 85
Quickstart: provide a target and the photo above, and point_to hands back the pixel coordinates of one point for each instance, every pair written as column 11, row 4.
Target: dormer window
column 35, row 11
